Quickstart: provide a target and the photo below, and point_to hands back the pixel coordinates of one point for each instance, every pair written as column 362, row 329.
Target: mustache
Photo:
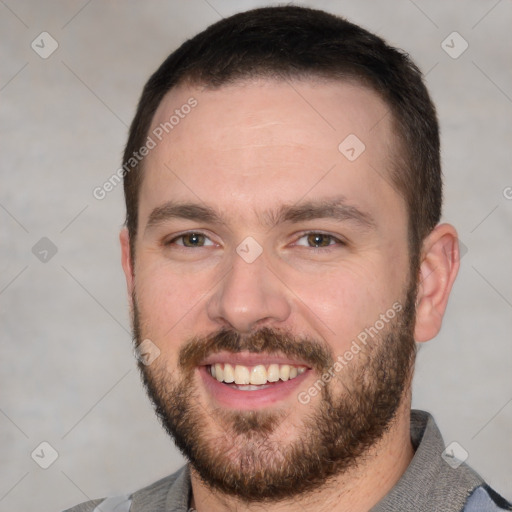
column 266, row 340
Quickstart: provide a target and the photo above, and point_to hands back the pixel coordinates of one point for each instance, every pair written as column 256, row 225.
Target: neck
column 357, row 490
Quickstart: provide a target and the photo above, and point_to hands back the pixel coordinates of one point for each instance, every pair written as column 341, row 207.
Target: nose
column 250, row 296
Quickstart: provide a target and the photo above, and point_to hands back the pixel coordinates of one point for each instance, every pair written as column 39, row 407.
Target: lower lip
column 233, row 398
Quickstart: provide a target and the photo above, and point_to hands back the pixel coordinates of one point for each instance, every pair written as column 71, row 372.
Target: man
column 283, row 256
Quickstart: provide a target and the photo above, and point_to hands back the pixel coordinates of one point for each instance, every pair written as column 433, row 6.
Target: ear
column 126, row 262
column 438, row 270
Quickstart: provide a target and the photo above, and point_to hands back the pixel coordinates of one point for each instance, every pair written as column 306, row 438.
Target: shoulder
column 116, row 503
column 485, row 499
column 156, row 493
column 87, row 506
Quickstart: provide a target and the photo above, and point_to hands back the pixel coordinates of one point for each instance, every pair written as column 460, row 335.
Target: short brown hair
column 295, row 42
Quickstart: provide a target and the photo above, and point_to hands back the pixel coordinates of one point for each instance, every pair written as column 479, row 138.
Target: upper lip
column 250, row 359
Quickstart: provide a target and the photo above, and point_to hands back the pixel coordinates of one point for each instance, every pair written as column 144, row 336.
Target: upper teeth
column 256, row 375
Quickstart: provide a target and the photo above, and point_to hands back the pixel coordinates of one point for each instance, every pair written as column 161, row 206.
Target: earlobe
column 438, row 270
column 126, row 262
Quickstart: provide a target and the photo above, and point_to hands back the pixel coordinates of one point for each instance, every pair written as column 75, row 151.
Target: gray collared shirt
column 429, row 484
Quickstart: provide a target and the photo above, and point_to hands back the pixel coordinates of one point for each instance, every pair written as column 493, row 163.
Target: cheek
column 169, row 303
column 342, row 299
column 343, row 302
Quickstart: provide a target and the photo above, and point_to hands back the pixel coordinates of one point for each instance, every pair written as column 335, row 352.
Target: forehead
column 308, row 109
column 266, row 141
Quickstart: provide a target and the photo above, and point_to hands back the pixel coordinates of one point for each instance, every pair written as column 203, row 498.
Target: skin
column 250, row 148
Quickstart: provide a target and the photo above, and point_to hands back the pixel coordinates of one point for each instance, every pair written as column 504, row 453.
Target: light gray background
column 68, row 375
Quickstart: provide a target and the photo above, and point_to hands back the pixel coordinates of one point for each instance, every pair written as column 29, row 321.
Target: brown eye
column 191, row 240
column 319, row 240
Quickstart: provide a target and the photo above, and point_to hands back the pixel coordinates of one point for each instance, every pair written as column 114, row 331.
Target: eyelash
column 173, row 240
column 338, row 242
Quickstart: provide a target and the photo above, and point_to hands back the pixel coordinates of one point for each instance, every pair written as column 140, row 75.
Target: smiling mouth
column 252, row 378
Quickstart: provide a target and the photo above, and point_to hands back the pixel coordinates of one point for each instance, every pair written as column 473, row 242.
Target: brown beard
column 238, row 455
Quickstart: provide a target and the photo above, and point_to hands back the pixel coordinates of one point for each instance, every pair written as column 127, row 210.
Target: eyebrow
column 335, row 208
column 188, row 211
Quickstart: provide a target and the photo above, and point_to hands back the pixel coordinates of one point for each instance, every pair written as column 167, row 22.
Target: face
column 272, row 275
